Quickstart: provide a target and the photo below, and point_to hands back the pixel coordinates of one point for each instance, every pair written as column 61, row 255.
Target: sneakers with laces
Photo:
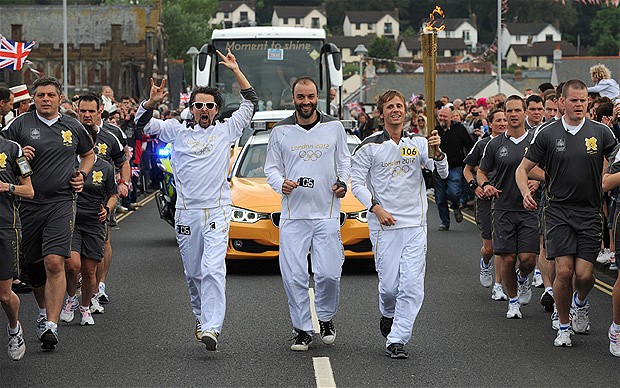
column 49, row 339
column 498, row 293
column 524, row 291
column 396, row 351
column 458, row 215
column 17, row 346
column 209, row 338
column 555, row 319
column 580, row 319
column 302, row 341
column 328, row 332
column 537, row 280
column 87, row 318
column 604, row 257
column 486, row 274
column 514, row 311
column 198, row 331
column 546, row 299
column 103, row 295
column 385, row 325
column 41, row 321
column 68, row 311
column 95, row 306
column 614, row 341
column 563, row 338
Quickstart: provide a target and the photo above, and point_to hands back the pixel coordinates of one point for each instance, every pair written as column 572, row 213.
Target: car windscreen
column 253, row 161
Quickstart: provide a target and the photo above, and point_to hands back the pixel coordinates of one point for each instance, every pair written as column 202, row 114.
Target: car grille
column 362, row 246
column 275, row 218
column 252, row 247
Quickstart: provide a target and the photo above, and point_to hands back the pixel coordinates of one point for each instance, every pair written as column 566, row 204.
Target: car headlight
column 247, row 216
column 360, row 216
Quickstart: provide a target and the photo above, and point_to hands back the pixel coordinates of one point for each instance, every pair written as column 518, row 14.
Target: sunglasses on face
column 200, row 105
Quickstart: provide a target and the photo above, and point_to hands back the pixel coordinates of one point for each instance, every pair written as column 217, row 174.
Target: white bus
column 271, row 58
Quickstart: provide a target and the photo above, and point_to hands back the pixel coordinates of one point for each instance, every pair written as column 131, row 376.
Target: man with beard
column 308, row 162
column 200, row 159
column 386, row 177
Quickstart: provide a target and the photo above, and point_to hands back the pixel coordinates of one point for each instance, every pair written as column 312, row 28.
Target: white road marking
column 323, row 372
column 315, row 320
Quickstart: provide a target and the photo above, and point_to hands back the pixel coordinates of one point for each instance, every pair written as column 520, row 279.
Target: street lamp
column 192, row 52
column 361, row 51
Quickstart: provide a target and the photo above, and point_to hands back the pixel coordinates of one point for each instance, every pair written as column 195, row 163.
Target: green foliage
column 186, row 22
column 606, row 26
column 351, row 68
column 382, row 47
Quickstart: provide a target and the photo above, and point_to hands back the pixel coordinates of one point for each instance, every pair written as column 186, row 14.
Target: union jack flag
column 135, row 171
column 13, row 54
column 184, row 99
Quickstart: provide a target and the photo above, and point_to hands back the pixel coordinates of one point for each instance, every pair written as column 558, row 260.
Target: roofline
column 269, row 32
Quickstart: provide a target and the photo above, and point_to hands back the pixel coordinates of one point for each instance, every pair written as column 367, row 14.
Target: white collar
column 573, row 129
column 46, row 121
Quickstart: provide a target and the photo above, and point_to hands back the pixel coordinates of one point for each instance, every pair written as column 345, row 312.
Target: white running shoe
column 514, row 311
column 580, row 319
column 68, row 311
column 486, row 274
column 17, row 346
column 498, row 293
column 95, row 306
column 209, row 338
column 563, row 338
column 614, row 341
column 524, row 291
column 537, row 281
column 555, row 319
column 604, row 257
column 87, row 318
column 41, row 321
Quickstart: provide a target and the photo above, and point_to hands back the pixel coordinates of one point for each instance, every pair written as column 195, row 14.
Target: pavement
column 461, row 337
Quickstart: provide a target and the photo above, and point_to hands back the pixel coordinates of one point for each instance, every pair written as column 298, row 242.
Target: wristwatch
column 83, row 175
column 472, row 184
column 374, row 203
column 11, row 188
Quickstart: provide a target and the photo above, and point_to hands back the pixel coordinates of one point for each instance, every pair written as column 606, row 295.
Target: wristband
column 472, row 184
column 122, row 182
column 83, row 175
column 374, row 203
column 485, row 184
column 438, row 159
column 107, row 209
column 11, row 188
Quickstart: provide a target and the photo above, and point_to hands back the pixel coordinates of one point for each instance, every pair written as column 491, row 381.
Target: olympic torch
column 428, row 41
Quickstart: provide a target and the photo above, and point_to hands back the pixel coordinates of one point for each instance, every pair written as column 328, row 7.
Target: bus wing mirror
column 334, row 63
column 203, row 68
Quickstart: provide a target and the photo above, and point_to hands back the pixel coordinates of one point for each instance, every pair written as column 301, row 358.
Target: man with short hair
column 551, row 107
column 387, row 179
column 515, row 230
column 51, row 141
column 6, row 104
column 308, row 162
column 571, row 152
column 200, row 156
column 534, row 112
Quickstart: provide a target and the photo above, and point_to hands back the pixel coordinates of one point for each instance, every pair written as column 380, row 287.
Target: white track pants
column 296, row 238
column 202, row 235
column 400, row 259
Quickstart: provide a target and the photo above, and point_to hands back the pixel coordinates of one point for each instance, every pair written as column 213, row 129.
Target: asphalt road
column 461, row 337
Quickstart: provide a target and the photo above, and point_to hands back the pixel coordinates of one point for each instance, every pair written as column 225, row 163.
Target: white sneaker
column 614, row 341
column 555, row 319
column 580, row 319
column 604, row 257
column 209, row 338
column 563, row 338
column 514, row 311
column 87, row 318
column 95, row 306
column 498, row 293
column 41, row 321
column 524, row 291
column 68, row 311
column 486, row 274
column 537, row 281
column 17, row 346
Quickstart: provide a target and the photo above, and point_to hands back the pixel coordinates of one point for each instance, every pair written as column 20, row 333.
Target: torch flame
column 430, row 26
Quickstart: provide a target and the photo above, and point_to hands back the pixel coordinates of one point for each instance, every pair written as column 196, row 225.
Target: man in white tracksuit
column 200, row 160
column 308, row 162
column 386, row 177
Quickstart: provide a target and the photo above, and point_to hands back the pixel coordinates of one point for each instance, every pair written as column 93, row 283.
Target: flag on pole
column 13, row 54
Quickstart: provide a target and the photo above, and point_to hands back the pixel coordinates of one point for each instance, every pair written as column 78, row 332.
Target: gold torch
column 428, row 41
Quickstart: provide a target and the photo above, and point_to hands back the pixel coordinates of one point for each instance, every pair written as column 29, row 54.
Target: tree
column 186, row 22
column 385, row 48
column 606, row 27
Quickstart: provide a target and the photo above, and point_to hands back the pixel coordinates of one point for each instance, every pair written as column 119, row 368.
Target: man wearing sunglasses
column 200, row 158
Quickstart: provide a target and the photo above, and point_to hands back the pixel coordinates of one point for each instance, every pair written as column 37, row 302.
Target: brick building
column 122, row 46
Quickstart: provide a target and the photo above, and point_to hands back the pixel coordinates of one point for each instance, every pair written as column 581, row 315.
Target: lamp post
column 192, row 52
column 361, row 51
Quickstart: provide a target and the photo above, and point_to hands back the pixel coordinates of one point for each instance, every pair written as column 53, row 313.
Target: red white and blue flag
column 184, row 99
column 13, row 54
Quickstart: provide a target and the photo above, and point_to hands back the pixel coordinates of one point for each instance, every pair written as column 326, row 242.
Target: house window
column 243, row 16
column 297, row 21
column 358, row 26
column 466, row 35
column 371, row 26
column 448, row 34
column 549, row 37
column 387, row 28
column 226, row 15
column 518, row 38
column 315, row 23
column 524, row 58
column 549, row 58
column 285, row 20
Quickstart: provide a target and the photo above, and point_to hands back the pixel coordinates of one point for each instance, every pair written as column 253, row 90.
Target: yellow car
column 256, row 209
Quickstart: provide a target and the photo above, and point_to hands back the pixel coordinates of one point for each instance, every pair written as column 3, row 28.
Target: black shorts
column 515, row 232
column 47, row 229
column 570, row 232
column 9, row 252
column 483, row 218
column 615, row 225
column 88, row 240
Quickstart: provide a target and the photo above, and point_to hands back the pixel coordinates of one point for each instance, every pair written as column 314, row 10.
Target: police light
column 163, row 152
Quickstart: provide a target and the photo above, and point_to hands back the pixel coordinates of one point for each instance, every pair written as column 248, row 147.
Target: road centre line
column 146, row 200
column 323, row 372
